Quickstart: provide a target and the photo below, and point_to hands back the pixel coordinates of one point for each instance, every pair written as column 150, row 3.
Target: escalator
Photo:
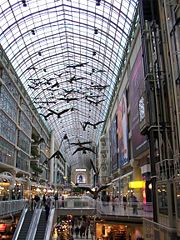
column 25, row 226
column 41, row 228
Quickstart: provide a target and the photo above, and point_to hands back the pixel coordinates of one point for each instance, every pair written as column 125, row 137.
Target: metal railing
column 8, row 208
column 131, row 209
column 152, row 230
column 49, row 226
column 74, row 203
column 20, row 223
column 138, row 209
column 34, row 224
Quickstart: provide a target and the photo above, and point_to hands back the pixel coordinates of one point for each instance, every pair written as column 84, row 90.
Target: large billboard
column 122, row 123
column 113, row 145
column 136, row 89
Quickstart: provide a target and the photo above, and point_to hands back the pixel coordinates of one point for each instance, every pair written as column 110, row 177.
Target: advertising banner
column 136, row 88
column 113, row 145
column 122, row 122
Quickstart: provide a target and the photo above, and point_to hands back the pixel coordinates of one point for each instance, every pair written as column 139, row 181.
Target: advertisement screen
column 122, row 122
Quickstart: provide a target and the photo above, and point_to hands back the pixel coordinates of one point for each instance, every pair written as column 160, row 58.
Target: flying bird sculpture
column 95, row 191
column 95, row 102
column 80, row 144
column 77, row 65
column 94, row 124
column 45, row 102
column 68, row 91
column 47, row 115
column 100, row 71
column 74, row 79
column 83, row 149
column 100, row 87
column 57, row 154
column 62, row 112
column 84, row 125
column 68, row 99
column 55, row 85
column 58, row 75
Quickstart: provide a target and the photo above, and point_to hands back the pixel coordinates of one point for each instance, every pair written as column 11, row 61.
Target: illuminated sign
column 4, row 184
column 137, row 184
column 80, row 170
column 3, row 227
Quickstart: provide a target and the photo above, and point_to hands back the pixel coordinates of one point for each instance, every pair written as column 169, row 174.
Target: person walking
column 113, row 204
column 44, row 200
column 77, row 231
column 56, row 199
column 37, row 201
column 124, row 202
column 134, row 205
column 47, row 207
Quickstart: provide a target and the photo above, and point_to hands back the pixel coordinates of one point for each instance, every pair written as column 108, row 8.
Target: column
column 51, row 174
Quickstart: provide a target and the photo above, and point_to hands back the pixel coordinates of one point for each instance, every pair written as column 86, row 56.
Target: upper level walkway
column 85, row 206
column 88, row 206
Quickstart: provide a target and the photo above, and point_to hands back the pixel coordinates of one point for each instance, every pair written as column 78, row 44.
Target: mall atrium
column 89, row 118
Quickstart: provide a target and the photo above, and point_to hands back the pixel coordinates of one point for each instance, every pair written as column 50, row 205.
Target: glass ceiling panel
column 67, row 54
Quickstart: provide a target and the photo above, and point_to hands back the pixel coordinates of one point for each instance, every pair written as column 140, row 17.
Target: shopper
column 77, row 231
column 47, row 208
column 56, row 199
column 134, row 204
column 44, row 200
column 124, row 202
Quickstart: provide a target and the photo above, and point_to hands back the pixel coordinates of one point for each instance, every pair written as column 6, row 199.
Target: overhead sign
column 137, row 184
column 4, row 184
column 80, row 170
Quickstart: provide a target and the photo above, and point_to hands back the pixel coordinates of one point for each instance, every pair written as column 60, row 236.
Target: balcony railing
column 107, row 208
column 8, row 208
column 98, row 207
column 168, row 169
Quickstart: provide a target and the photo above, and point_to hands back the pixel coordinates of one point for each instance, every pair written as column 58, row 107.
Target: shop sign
column 137, row 184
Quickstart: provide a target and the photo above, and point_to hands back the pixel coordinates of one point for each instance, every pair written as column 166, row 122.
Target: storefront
column 106, row 231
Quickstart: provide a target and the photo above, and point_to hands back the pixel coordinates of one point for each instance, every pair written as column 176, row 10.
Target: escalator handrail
column 34, row 224
column 20, row 223
column 49, row 225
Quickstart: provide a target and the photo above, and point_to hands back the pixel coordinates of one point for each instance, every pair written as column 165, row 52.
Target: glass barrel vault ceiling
column 67, row 54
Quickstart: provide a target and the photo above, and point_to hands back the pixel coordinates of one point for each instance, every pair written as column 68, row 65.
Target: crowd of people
column 46, row 202
column 77, row 228
column 114, row 202
column 126, row 201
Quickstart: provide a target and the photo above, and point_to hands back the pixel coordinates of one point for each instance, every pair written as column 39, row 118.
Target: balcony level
column 83, row 206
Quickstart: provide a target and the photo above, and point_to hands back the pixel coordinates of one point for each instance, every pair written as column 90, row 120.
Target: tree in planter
column 36, row 169
column 35, row 152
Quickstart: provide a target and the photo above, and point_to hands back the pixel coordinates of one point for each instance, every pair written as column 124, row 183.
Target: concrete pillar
column 51, row 174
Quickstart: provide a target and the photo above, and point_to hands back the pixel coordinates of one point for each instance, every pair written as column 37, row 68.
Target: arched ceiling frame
column 82, row 40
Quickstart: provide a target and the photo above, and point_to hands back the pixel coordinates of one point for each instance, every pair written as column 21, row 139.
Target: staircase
column 25, row 226
column 41, row 228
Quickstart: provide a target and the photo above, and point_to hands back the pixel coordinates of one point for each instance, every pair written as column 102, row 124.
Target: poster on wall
column 122, row 123
column 80, row 178
column 136, row 88
column 113, row 145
